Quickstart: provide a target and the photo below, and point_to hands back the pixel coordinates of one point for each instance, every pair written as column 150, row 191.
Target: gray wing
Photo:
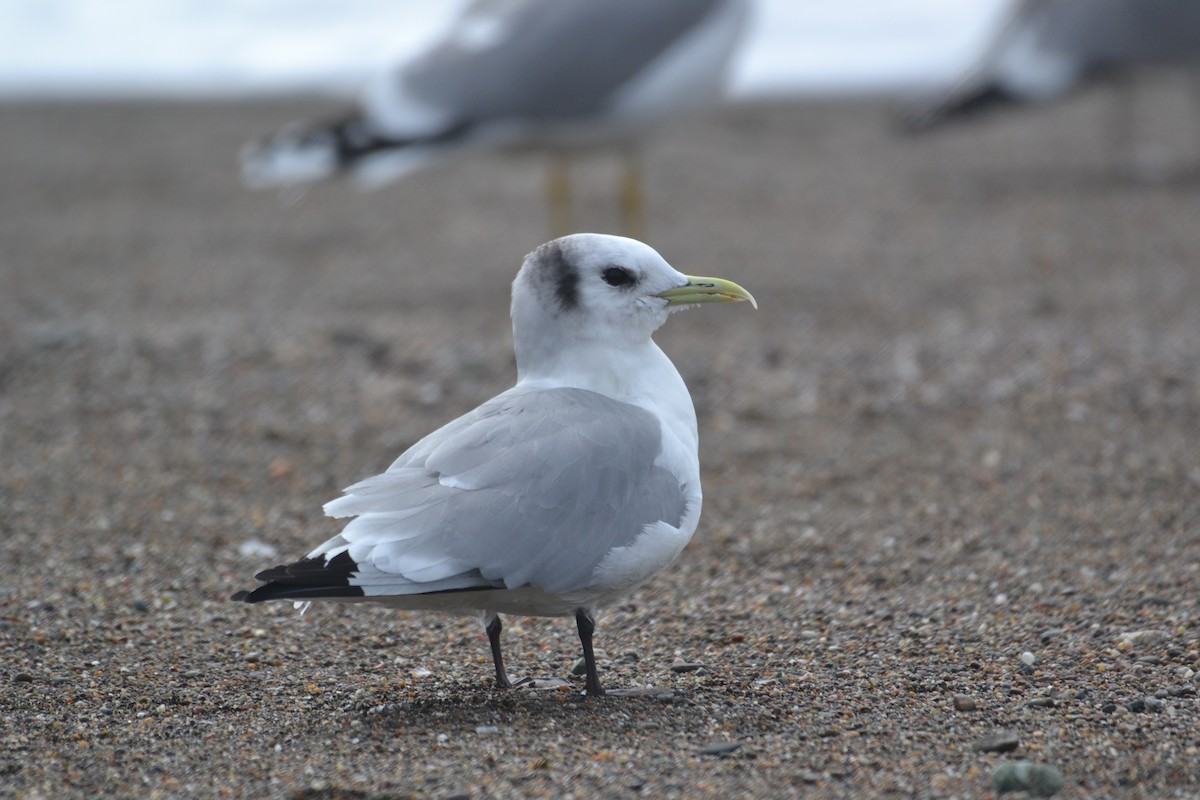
column 1114, row 32
column 547, row 59
column 1059, row 43
column 532, row 488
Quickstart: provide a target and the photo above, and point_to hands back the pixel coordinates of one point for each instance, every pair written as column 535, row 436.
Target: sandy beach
column 951, row 466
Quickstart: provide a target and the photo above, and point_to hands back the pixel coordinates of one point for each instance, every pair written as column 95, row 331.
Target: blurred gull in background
column 552, row 74
column 1043, row 49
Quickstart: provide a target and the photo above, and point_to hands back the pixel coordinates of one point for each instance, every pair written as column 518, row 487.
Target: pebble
column 486, row 730
column 579, row 667
column 1136, row 706
column 1042, row 702
column 719, row 748
column 679, row 665
column 59, row 681
column 963, row 702
column 1142, row 637
column 1027, row 658
column 1051, row 634
column 257, row 548
column 998, row 742
column 23, row 677
column 1024, row 776
column 542, row 684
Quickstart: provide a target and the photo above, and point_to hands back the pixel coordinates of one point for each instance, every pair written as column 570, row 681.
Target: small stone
column 1155, row 704
column 542, row 684
column 1108, row 708
column 963, row 702
column 1041, row 702
column 719, row 748
column 679, row 665
column 1027, row 658
column 1051, row 634
column 1024, row 776
column 1132, row 638
column 141, row 606
column 280, row 468
column 257, row 548
column 23, row 677
column 998, row 742
column 810, row 634
column 579, row 667
column 1136, row 706
column 486, row 730
column 59, row 681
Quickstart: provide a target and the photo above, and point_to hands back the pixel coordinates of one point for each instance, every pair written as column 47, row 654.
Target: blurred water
column 224, row 47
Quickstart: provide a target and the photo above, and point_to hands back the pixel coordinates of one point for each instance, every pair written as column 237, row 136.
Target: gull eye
column 618, row 276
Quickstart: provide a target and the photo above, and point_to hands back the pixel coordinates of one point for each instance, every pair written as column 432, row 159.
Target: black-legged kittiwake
column 556, row 497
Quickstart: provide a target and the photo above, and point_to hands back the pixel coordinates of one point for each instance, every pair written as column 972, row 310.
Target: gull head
column 596, row 288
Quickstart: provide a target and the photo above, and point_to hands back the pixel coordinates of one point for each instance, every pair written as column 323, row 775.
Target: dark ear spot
column 560, row 275
column 618, row 276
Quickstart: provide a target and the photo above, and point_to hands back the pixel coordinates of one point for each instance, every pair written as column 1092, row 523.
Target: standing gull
column 1045, row 48
column 553, row 498
column 554, row 74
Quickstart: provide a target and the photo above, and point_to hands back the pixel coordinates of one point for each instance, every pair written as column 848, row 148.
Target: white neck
column 638, row 373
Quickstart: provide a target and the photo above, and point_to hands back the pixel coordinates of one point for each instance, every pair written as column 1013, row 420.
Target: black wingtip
column 306, row 579
column 959, row 106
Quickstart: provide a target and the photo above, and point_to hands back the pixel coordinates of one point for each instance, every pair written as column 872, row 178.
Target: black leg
column 587, row 625
column 493, row 631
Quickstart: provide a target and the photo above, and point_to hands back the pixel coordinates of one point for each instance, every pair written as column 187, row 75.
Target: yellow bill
column 706, row 290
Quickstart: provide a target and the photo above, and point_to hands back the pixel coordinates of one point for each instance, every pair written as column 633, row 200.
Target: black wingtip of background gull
column 354, row 138
column 306, row 579
column 960, row 107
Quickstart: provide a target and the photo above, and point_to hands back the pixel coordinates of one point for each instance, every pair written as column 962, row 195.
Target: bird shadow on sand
column 481, row 711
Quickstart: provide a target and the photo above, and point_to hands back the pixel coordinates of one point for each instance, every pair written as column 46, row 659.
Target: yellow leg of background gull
column 633, row 203
column 558, row 195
